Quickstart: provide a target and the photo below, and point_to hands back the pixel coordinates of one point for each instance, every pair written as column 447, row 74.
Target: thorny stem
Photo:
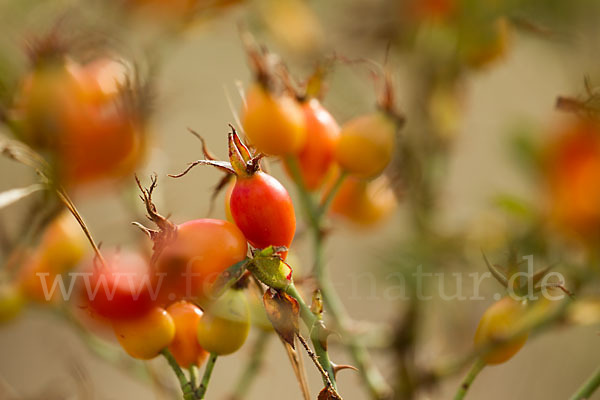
column 466, row 383
column 253, row 367
column 311, row 321
column 295, row 358
column 375, row 382
column 315, row 360
column 589, row 387
column 210, row 365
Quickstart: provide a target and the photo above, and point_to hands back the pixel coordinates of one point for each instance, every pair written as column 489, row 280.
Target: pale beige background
column 36, row 352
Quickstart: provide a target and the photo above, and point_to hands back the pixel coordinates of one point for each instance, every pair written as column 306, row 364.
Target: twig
column 315, row 360
column 311, row 321
column 186, row 386
column 588, row 388
column 375, row 382
column 465, row 385
column 295, row 359
column 210, row 365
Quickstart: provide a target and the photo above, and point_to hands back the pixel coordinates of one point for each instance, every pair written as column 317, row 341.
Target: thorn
column 337, row 368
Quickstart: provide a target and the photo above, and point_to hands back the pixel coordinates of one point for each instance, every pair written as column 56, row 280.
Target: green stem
column 468, row 380
column 375, row 382
column 186, row 386
column 253, row 367
column 331, row 194
column 311, row 320
column 210, row 365
column 589, row 387
column 311, row 211
column 193, row 376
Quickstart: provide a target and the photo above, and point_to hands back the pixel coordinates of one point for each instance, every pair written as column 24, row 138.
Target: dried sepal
column 241, row 147
column 205, row 151
column 283, row 311
column 222, row 165
column 495, row 271
column 167, row 230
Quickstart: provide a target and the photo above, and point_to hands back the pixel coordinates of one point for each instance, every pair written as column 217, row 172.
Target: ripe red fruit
column 121, row 287
column 262, row 208
column 316, row 157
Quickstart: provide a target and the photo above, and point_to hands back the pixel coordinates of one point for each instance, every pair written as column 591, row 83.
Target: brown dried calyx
column 167, row 231
column 262, row 62
column 387, row 100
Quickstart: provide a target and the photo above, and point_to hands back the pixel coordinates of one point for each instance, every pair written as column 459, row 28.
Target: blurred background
column 478, row 82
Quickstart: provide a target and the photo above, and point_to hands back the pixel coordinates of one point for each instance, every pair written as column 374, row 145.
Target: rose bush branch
column 315, row 214
column 210, row 365
column 186, row 386
column 469, row 379
column 588, row 388
column 312, row 323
